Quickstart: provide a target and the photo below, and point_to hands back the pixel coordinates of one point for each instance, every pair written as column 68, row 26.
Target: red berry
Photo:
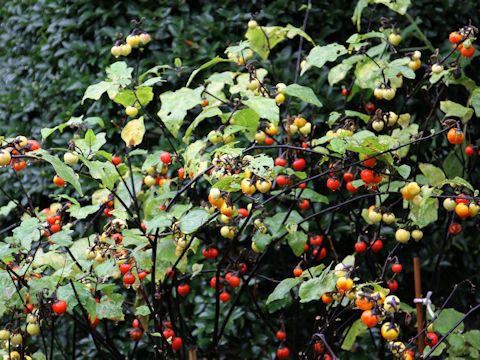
column 299, row 164
column 242, row 268
column 360, row 247
column 183, row 289
column 136, row 323
column 302, row 185
column 136, row 334
column 177, row 343
column 168, row 333
column 283, row 352
column 369, row 108
column 431, row 339
column 377, row 245
column 213, row 282
column 316, row 240
column 462, row 199
column 181, row 173
column 33, row 145
column 142, row 275
column 348, row 176
column 28, row 309
column 128, row 279
column 116, row 160
column 396, row 268
column 281, row 180
column 351, row 188
column 280, row 161
column 55, row 228
column 243, row 212
column 118, row 238
column 224, row 296
column 370, row 162
column 320, row 254
column 268, row 141
column 51, row 219
column 59, row 307
column 333, row 184
column 281, row 335
column 304, row 145
column 95, row 322
column 166, row 158
column 297, row 272
column 455, row 229
column 304, row 204
column 469, row 150
column 124, row 268
column 392, row 284
column 107, row 212
column 234, row 281
column 367, row 176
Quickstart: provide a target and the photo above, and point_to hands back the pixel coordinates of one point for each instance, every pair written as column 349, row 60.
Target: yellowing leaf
column 133, row 132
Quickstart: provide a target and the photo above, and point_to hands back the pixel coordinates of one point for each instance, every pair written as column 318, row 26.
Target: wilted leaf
column 133, row 132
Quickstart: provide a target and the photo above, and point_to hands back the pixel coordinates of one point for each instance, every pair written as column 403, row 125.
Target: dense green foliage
column 53, row 52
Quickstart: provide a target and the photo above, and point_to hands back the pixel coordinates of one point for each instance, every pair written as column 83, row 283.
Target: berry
column 283, row 352
column 128, row 279
column 124, row 268
column 377, row 245
column 234, row 281
column 297, row 272
column 392, row 284
column 299, row 164
column 136, row 334
column 243, row 212
column 454, row 37
column 431, row 339
column 367, row 176
column 224, row 296
column 59, row 307
column 281, row 180
column 333, row 184
column 183, row 289
column 360, row 247
column 350, row 187
column 116, row 160
column 165, row 157
column 281, row 335
column 396, row 268
column 348, row 177
column 280, row 161
column 177, row 343
column 304, row 204
column 469, row 150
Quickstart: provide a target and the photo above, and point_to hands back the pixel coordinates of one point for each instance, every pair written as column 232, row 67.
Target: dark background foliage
column 52, row 50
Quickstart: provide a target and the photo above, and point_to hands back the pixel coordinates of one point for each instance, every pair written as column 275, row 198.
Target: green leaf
column 62, row 170
column 206, row 113
column 475, row 101
column 426, row 213
column 264, row 38
column 451, row 108
column 283, row 289
column 404, row 171
column 128, row 98
column 132, row 133
column 432, row 173
column 91, row 142
column 313, row 196
column 261, row 165
column 313, row 289
column 96, row 91
column 304, row 93
column 214, row 61
column 111, row 307
column 175, row 105
column 447, row 319
column 119, row 72
column 320, row 55
column 364, row 117
column 249, row 119
column 261, row 240
column 27, row 232
column 142, row 310
column 5, row 210
column 193, row 220
column 452, row 166
column 265, row 108
column 399, row 6
column 357, row 13
column 297, row 241
column 61, row 238
column 438, row 350
column 160, row 222
column 473, row 338
column 79, row 212
column 228, row 184
column 457, row 343
column 357, row 329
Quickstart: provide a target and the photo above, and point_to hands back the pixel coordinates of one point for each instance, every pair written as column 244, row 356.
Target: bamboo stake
column 418, row 295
